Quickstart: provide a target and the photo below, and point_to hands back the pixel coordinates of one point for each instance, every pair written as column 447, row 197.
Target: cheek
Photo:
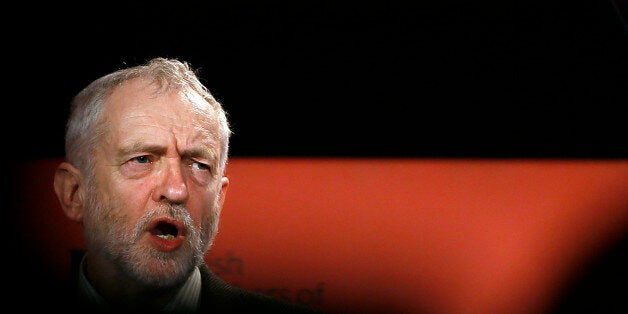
column 130, row 200
column 201, row 204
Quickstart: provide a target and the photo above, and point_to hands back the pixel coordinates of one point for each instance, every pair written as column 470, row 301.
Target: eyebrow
column 160, row 150
column 135, row 147
column 141, row 147
column 198, row 152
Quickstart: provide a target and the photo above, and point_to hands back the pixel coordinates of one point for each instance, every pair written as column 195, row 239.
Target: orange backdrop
column 394, row 235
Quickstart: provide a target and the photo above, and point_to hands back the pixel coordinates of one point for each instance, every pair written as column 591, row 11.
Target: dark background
column 374, row 78
column 379, row 78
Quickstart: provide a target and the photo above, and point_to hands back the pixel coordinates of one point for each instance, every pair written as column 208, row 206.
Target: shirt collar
column 186, row 300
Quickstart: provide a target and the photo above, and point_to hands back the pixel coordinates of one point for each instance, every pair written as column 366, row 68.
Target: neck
column 122, row 291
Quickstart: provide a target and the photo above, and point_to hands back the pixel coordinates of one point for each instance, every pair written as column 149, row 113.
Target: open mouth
column 167, row 233
column 165, row 230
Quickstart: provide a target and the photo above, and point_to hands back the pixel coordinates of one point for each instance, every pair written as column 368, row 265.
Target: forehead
column 140, row 102
column 143, row 94
column 142, row 90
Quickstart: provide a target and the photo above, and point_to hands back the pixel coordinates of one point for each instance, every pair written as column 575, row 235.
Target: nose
column 172, row 187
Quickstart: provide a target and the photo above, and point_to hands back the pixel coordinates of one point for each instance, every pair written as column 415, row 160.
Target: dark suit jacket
column 217, row 297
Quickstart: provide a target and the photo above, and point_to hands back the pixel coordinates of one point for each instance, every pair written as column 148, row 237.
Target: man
column 146, row 151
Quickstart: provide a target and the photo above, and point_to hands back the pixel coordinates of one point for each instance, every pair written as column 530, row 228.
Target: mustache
column 174, row 211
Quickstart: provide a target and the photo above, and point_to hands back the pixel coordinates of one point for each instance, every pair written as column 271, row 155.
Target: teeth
column 166, row 236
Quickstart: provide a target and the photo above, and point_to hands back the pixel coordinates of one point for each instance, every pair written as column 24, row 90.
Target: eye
column 141, row 159
column 201, row 172
column 138, row 166
column 200, row 166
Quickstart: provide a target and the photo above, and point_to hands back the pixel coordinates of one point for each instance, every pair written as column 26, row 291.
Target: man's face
column 152, row 207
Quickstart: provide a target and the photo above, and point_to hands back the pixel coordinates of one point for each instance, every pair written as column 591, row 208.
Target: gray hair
column 84, row 124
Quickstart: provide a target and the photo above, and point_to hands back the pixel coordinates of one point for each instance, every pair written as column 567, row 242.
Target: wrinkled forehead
column 141, row 87
column 142, row 97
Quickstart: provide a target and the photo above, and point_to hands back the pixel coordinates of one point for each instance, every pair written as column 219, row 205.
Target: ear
column 67, row 185
column 223, row 190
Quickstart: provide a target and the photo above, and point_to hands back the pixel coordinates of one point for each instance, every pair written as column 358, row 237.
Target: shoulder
column 218, row 295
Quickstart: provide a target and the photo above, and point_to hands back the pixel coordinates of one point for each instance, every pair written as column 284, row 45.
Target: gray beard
column 107, row 231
